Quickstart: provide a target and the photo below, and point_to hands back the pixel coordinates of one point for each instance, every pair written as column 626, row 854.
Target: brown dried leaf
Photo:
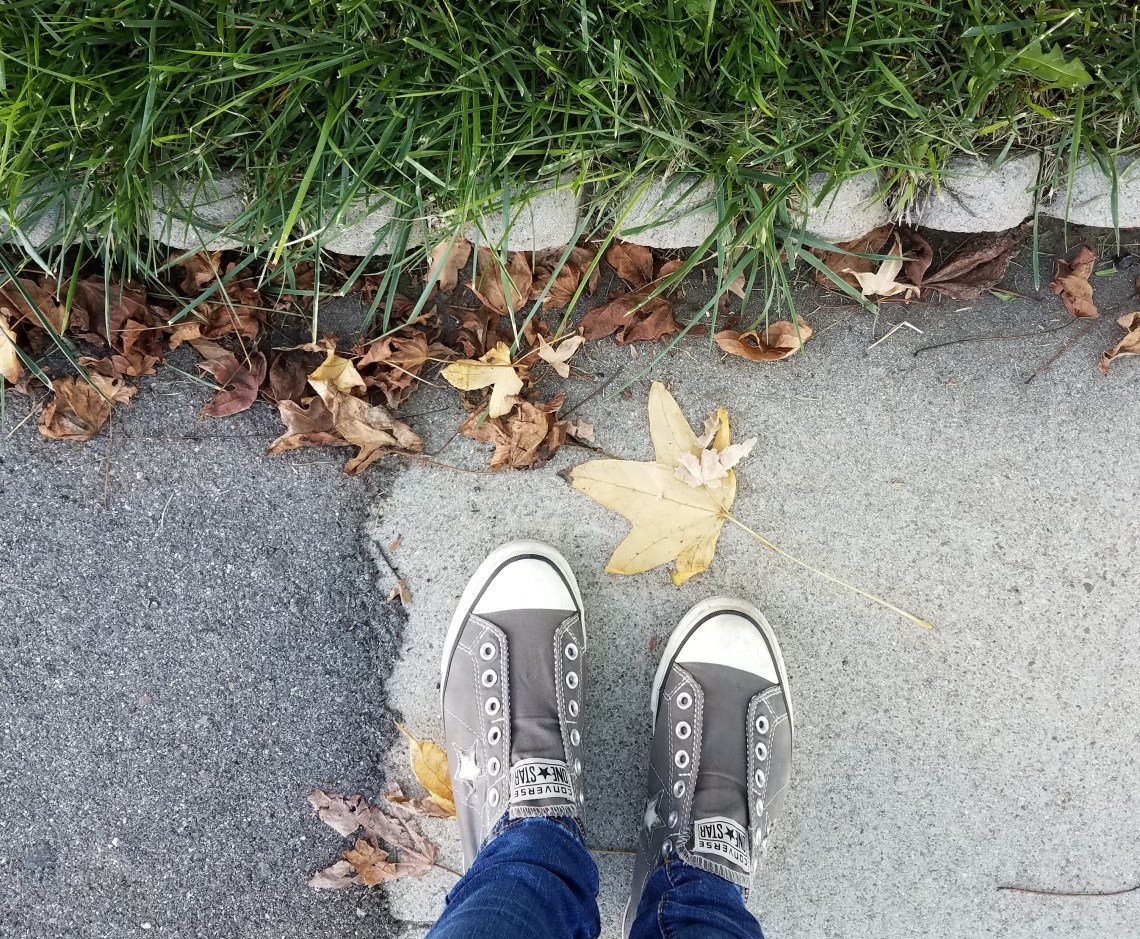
column 632, row 263
column 10, row 367
column 370, row 427
column 307, row 423
column 779, row 341
column 239, row 379
column 919, row 255
column 337, row 811
column 18, row 309
column 401, row 590
column 448, row 258
column 197, row 271
column 843, row 261
column 371, row 863
column 338, row 877
column 977, row 266
column 289, row 374
column 525, row 437
column 653, row 320
column 489, row 285
column 77, row 412
column 1073, row 284
column 425, row 807
column 1129, row 345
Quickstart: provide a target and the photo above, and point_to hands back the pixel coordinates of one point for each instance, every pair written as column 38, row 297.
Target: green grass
column 444, row 104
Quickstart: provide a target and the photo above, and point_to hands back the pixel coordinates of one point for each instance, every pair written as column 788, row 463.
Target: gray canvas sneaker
column 721, row 756
column 511, row 692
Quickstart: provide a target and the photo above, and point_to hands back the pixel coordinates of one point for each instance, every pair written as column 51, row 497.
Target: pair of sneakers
column 513, row 693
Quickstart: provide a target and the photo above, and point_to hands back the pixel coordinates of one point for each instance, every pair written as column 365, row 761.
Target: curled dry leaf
column 43, row 308
column 845, row 262
column 671, row 520
column 401, row 590
column 1073, row 285
column 79, row 410
column 240, row 380
column 371, row 863
column 713, row 465
column 525, row 437
column 975, row 268
column 1129, row 345
column 369, row 427
column 559, row 358
column 307, row 424
column 503, row 290
column 448, row 258
column 429, row 765
column 632, row 263
column 338, row 877
column 10, row 367
column 493, row 369
column 779, row 341
column 426, row 807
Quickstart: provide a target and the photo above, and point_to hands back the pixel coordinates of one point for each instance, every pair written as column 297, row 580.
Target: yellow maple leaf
column 677, row 516
column 492, row 369
column 429, row 765
column 672, row 520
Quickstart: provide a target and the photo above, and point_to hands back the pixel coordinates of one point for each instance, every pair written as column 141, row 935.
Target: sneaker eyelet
column 571, row 680
column 487, row 651
column 572, row 707
column 683, row 730
column 759, row 807
column 761, row 751
column 684, row 700
column 492, row 707
column 577, row 767
column 493, row 766
column 571, row 651
column 581, row 798
column 493, row 797
column 494, row 735
column 761, row 724
column 575, row 737
column 760, row 778
column 490, row 678
column 681, row 758
column 679, row 789
column 666, row 848
column 672, row 820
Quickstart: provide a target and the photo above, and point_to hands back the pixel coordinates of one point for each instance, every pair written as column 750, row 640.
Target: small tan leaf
column 713, row 465
column 401, row 590
column 779, row 341
column 338, row 877
column 429, row 764
column 845, row 262
column 371, row 863
column 494, row 369
column 1129, row 345
column 882, row 283
column 448, row 258
column 493, row 283
column 10, row 367
column 1073, row 285
column 559, row 358
column 340, row 373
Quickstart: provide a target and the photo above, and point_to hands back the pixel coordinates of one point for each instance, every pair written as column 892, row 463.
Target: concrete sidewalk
column 931, row 768
column 193, row 636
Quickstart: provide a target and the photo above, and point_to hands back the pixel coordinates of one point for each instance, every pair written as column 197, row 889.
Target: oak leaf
column 1073, row 285
column 492, row 369
column 779, row 341
column 429, row 765
column 671, row 520
column 1129, row 345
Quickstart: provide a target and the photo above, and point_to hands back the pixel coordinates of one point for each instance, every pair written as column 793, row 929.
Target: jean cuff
column 506, row 822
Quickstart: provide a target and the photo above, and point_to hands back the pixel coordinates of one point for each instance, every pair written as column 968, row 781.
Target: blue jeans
column 534, row 878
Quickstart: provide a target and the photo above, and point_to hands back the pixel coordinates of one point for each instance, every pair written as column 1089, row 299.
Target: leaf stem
column 826, row 576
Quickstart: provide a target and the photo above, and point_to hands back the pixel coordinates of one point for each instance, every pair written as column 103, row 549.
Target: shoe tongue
column 720, row 798
column 540, row 782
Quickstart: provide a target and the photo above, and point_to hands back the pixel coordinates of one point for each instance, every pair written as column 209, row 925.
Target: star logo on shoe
column 652, row 819
column 469, row 769
column 544, row 772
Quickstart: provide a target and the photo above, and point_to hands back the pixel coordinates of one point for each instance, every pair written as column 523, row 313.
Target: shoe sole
column 492, row 564
column 697, row 615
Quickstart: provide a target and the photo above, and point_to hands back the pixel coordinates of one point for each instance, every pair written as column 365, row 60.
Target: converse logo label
column 535, row 780
column 722, row 836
